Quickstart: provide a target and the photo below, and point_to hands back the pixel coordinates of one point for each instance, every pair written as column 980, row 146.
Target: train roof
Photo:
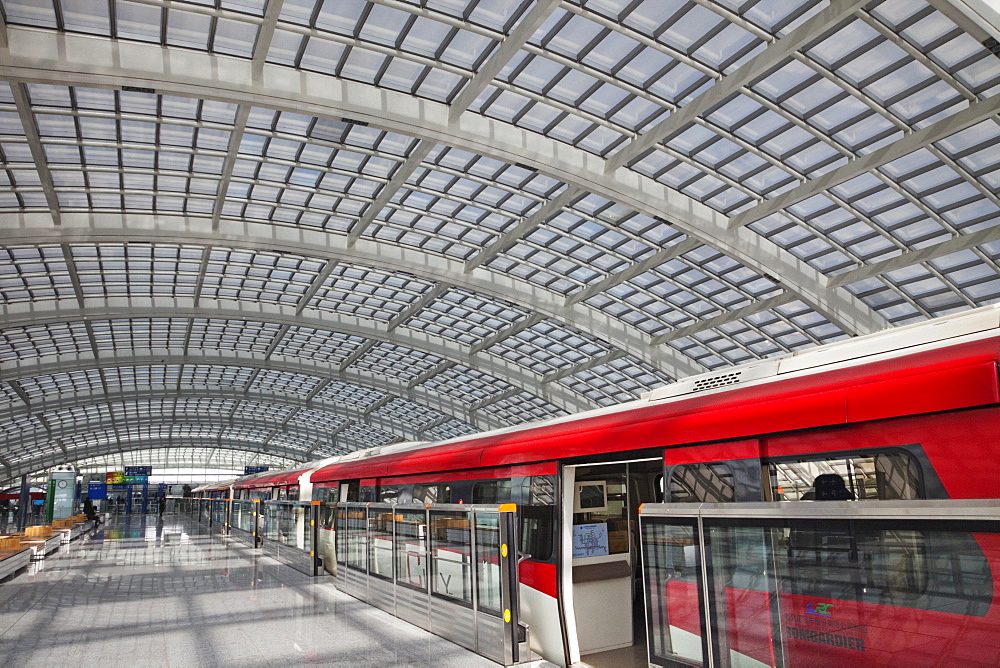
column 213, row 486
column 289, row 475
column 837, row 365
column 896, row 342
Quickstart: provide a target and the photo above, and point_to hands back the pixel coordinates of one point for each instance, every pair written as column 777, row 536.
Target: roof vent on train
column 703, row 384
column 714, row 381
column 887, row 343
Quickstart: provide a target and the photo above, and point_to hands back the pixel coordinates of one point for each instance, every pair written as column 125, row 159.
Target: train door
column 601, row 575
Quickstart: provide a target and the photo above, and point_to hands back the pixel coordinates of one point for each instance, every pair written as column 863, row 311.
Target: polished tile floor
column 142, row 592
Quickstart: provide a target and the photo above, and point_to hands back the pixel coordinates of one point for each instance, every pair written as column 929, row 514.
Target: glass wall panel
column 740, row 586
column 352, row 536
column 451, row 556
column 670, row 569
column 841, row 590
column 411, row 549
column 380, row 522
column 488, row 577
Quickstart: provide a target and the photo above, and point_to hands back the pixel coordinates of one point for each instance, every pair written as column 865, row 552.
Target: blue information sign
column 138, row 470
column 249, row 470
column 97, row 490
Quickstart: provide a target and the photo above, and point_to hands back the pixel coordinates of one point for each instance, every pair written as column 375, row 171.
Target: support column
column 23, row 503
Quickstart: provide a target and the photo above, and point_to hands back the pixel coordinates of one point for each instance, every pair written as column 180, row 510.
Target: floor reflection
column 164, row 590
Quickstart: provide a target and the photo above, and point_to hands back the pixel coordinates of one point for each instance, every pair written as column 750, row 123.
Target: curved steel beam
column 67, row 434
column 289, row 428
column 290, row 425
column 61, row 59
column 69, row 401
column 391, row 387
column 555, row 394
column 47, row 460
column 192, row 456
column 31, row 228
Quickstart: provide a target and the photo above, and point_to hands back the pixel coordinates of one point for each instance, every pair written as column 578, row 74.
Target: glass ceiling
column 297, row 228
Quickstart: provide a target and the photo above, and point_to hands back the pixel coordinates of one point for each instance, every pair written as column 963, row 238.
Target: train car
column 219, row 489
column 294, row 484
column 291, row 484
column 281, row 485
column 905, row 414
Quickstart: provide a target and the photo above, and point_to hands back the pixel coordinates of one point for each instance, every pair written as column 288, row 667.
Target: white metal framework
column 302, row 227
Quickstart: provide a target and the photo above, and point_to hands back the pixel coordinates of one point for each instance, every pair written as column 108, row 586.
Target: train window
column 542, row 491
column 326, row 493
column 328, row 515
column 702, row 483
column 538, row 517
column 432, row 493
column 897, row 476
column 861, row 476
column 485, row 492
column 491, row 491
column 388, row 493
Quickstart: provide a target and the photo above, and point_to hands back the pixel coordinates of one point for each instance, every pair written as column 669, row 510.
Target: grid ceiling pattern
column 622, row 194
column 177, row 456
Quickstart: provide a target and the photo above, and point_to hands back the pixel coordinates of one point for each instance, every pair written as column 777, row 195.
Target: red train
column 911, row 413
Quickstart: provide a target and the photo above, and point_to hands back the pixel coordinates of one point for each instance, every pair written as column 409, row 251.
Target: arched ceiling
column 294, row 228
column 184, row 455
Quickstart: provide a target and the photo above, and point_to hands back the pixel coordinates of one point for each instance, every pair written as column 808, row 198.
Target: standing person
column 161, row 502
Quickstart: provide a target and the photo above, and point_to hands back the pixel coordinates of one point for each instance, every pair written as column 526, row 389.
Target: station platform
column 149, row 592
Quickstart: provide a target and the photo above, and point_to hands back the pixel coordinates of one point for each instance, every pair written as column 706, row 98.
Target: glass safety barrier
column 188, row 506
column 218, row 515
column 170, row 505
column 288, row 534
column 822, row 583
column 244, row 520
column 213, row 513
column 205, row 511
column 450, row 569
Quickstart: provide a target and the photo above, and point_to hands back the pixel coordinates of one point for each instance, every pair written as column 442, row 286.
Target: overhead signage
column 250, row 470
column 114, row 477
column 136, row 480
column 97, row 490
column 138, row 470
